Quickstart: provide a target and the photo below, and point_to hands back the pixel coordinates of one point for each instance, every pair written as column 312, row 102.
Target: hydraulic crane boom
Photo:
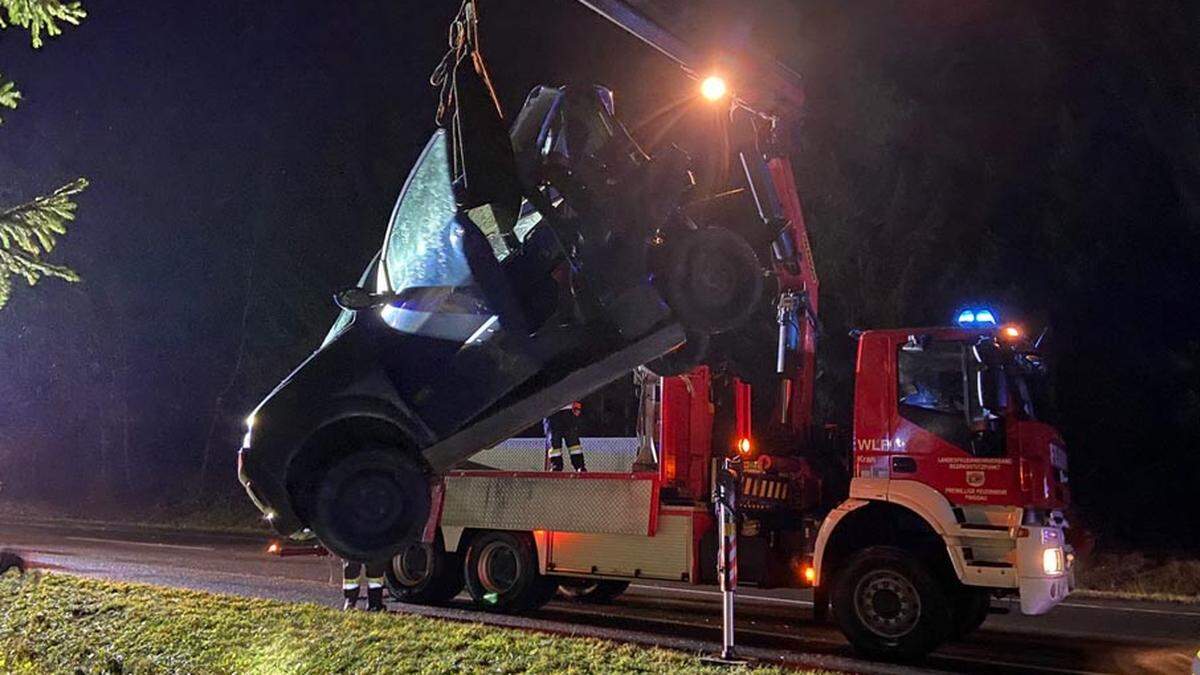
column 770, row 95
column 765, row 85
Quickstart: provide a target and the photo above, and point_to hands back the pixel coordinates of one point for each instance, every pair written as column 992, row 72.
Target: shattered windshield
column 424, row 246
column 423, row 258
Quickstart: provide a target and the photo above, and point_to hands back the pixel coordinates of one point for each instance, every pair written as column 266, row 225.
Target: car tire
column 369, row 503
column 890, row 606
column 591, row 591
column 502, row 576
column 425, row 574
column 971, row 606
column 683, row 358
column 713, row 280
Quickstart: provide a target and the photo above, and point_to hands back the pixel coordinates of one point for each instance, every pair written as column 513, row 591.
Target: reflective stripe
column 555, row 452
column 350, row 585
column 576, row 449
column 374, row 582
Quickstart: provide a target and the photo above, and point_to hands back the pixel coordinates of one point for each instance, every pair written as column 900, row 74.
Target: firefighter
column 562, row 428
column 351, row 571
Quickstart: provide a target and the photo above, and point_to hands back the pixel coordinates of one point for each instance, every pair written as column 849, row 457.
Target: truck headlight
column 1053, row 561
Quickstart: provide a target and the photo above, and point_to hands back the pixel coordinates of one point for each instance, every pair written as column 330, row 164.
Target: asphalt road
column 1080, row 636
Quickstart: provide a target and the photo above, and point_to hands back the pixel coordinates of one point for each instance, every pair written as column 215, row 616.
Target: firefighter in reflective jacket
column 562, row 429
column 351, row 571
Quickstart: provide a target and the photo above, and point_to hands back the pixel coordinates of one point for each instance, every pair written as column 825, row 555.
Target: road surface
column 1081, row 636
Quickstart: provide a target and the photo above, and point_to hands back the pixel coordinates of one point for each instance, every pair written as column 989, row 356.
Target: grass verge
column 220, row 515
column 1137, row 576
column 52, row 623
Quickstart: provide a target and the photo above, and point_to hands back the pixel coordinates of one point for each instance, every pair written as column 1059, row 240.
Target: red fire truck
column 955, row 494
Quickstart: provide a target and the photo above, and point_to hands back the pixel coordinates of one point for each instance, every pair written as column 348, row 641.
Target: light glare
column 713, row 88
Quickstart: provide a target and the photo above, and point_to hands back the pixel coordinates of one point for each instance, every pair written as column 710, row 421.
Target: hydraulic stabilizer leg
column 725, row 501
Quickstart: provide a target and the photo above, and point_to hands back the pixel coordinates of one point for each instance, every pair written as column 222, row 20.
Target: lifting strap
column 482, row 164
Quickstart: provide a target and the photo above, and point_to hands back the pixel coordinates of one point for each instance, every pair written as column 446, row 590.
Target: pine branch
column 9, row 96
column 38, row 16
column 29, row 231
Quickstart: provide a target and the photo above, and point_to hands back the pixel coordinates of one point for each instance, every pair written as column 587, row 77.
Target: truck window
column 933, row 390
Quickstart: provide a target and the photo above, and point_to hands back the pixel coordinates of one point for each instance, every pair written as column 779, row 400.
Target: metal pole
column 727, row 560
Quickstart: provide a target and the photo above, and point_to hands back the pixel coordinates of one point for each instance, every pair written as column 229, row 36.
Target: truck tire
column 713, row 280
column 890, row 606
column 591, row 591
column 971, row 607
column 425, row 574
column 502, row 573
column 369, row 503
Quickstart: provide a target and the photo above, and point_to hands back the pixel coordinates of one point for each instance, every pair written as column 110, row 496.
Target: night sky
column 244, row 159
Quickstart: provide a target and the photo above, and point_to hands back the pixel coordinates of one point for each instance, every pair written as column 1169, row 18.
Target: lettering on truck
column 975, row 472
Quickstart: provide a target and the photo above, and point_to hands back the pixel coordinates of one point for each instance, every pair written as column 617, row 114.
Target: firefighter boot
column 577, row 459
column 556, row 463
column 351, row 595
column 375, row 600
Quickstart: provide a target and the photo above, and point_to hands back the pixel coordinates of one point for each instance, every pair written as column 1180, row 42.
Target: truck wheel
column 889, row 605
column 971, row 607
column 713, row 281
column 592, row 592
column 502, row 573
column 425, row 574
column 369, row 504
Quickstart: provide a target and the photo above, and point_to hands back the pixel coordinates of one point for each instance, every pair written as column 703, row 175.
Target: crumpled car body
column 477, row 339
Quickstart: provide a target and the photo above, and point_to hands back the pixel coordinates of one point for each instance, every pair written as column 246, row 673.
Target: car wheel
column 713, row 280
column 425, row 574
column 890, row 606
column 502, row 573
column 369, row 504
column 591, row 591
column 971, row 607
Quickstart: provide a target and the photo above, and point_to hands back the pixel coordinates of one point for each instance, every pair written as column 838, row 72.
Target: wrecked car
column 477, row 318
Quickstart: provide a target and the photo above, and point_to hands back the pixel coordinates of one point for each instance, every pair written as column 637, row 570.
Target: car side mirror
column 356, row 299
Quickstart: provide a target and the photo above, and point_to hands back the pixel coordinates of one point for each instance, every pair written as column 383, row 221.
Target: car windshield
column 424, row 262
column 424, row 248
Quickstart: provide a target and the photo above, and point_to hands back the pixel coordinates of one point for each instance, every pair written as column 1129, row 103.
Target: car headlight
column 1053, row 561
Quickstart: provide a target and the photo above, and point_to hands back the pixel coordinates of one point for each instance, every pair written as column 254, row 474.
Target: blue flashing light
column 976, row 318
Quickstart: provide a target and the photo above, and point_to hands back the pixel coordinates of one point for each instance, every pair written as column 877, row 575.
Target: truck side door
column 944, row 437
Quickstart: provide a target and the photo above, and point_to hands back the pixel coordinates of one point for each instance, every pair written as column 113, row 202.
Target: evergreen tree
column 28, row 231
column 8, row 94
